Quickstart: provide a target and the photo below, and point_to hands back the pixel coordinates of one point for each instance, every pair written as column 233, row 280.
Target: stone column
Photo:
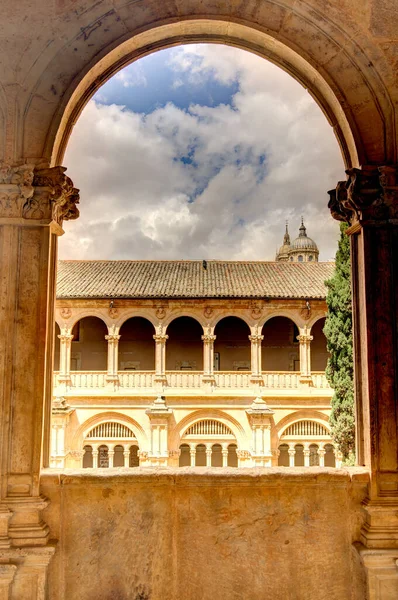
column 368, row 201
column 256, row 339
column 208, row 356
column 113, row 338
column 292, row 454
column 126, row 456
column 305, row 356
column 209, row 451
column 321, row 454
column 65, row 338
column 33, row 205
column 224, row 452
column 111, row 454
column 192, row 452
column 160, row 354
column 306, row 453
column 95, row 456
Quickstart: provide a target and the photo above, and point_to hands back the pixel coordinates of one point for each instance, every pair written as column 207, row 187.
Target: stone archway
column 52, row 62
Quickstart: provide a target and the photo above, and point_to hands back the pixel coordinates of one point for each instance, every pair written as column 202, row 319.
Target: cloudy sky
column 200, row 152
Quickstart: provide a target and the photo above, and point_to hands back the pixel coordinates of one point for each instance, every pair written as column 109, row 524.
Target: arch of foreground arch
column 54, row 56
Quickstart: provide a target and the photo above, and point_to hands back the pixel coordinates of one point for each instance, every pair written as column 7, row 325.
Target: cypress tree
column 340, row 367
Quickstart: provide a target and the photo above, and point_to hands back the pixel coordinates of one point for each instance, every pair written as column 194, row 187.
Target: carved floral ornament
column 369, row 194
column 37, row 193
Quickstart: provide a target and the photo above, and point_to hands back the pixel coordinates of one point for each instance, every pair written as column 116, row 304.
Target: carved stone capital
column 38, row 194
column 256, row 338
column 160, row 338
column 370, row 194
column 304, row 338
column 65, row 338
column 243, row 454
column 15, row 189
column 208, row 338
column 113, row 338
column 54, row 196
column 76, row 454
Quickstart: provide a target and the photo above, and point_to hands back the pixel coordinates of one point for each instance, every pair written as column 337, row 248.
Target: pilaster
column 368, row 201
column 61, row 412
column 33, row 204
column 159, row 415
column 260, row 416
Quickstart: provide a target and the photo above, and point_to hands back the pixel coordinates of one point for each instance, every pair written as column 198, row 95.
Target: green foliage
column 340, row 367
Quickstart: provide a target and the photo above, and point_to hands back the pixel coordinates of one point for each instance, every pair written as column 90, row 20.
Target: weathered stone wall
column 182, row 535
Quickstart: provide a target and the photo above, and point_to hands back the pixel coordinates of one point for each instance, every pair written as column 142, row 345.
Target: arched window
column 136, row 345
column 89, row 347
column 118, row 457
column 103, row 457
column 216, row 455
column 232, row 345
column 300, row 258
column 283, row 458
column 88, row 457
column 310, row 258
column 299, row 456
column 134, row 460
column 330, row 458
column 200, row 457
column 279, row 348
column 319, row 353
column 232, row 455
column 184, row 350
column 314, row 456
column 185, row 456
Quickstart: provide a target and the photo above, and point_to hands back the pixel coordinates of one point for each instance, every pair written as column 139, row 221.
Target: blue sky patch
column 152, row 82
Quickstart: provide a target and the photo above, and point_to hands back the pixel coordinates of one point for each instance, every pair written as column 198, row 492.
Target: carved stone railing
column 282, row 380
column 184, row 379
column 136, row 379
column 223, row 380
column 319, row 380
column 88, row 379
column 232, row 379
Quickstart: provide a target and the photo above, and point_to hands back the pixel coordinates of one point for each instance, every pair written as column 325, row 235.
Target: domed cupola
column 283, row 253
column 303, row 248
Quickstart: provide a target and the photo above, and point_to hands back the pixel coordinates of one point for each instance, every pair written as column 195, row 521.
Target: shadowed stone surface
column 202, row 534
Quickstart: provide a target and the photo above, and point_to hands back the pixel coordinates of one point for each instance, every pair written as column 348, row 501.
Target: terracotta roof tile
column 189, row 279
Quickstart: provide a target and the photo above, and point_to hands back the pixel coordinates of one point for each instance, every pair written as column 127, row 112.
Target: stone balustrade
column 192, row 380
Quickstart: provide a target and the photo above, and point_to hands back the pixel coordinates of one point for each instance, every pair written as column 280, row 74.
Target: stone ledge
column 207, row 476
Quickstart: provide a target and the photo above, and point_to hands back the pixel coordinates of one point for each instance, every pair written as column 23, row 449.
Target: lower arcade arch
column 110, row 444
column 208, row 443
column 307, row 444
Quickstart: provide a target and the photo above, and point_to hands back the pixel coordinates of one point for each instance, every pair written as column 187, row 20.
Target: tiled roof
column 191, row 279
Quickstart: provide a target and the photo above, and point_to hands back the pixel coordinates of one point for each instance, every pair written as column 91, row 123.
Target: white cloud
column 132, row 77
column 136, row 198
